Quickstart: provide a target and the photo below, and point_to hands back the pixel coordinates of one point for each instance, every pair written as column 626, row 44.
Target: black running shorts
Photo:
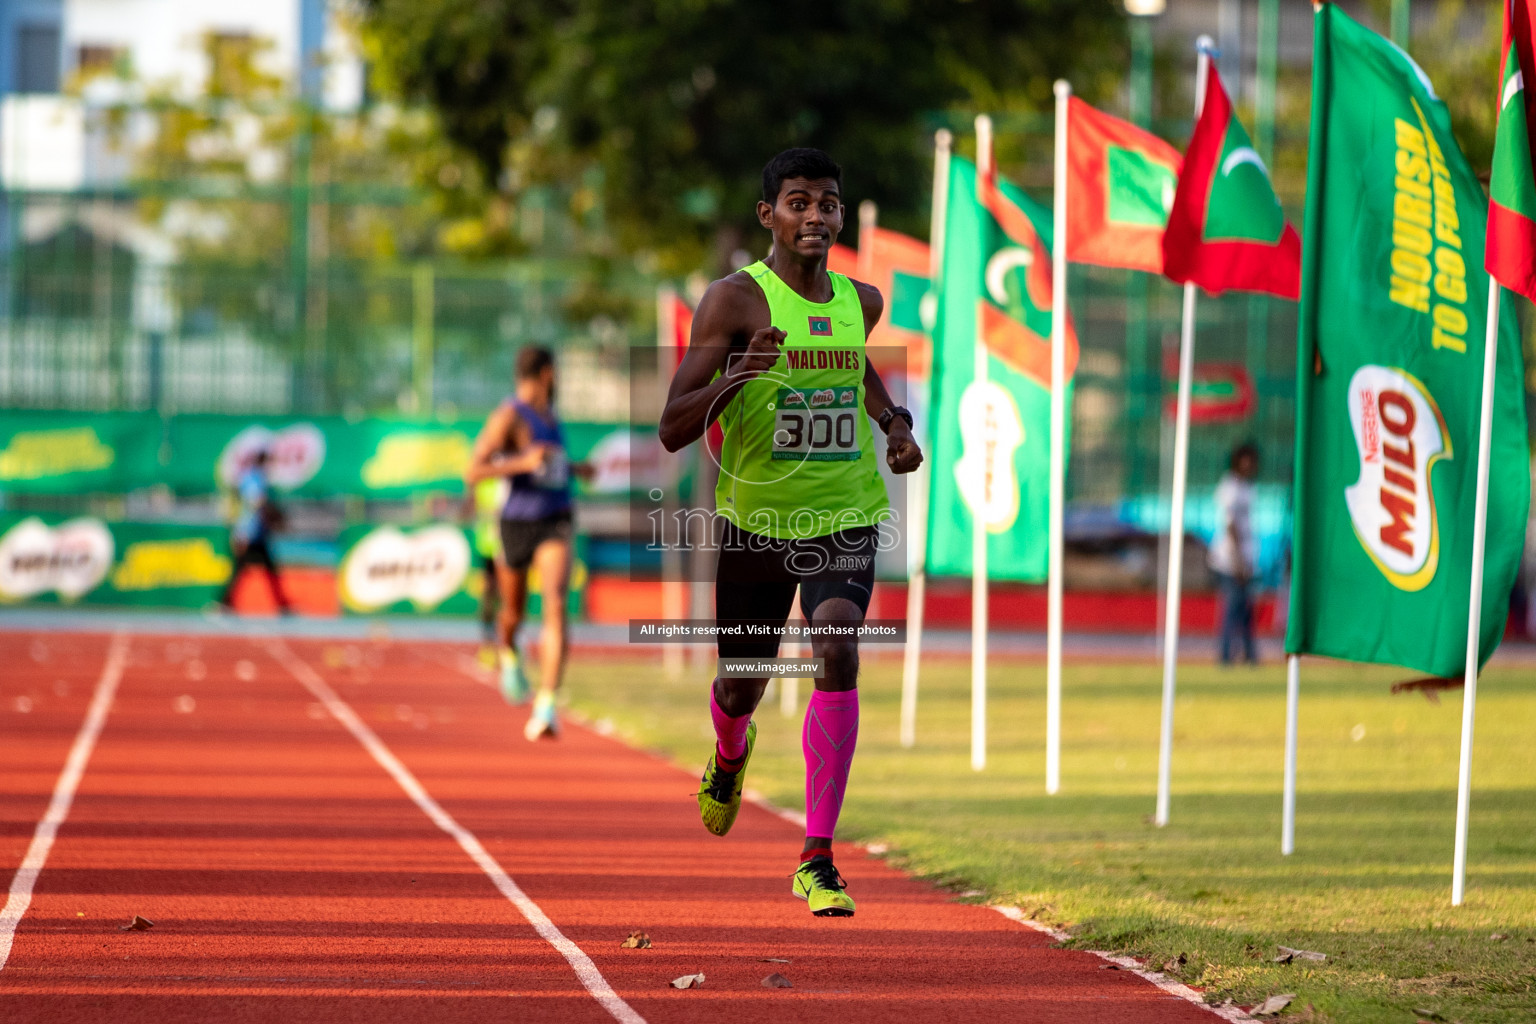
column 756, row 577
column 520, row 538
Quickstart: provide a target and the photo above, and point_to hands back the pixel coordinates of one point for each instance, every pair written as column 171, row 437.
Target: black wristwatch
column 890, row 414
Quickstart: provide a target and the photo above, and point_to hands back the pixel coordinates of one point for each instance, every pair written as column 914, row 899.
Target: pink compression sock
column 731, row 732
column 830, row 734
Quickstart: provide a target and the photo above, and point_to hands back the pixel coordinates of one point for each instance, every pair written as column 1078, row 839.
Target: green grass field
column 1369, row 884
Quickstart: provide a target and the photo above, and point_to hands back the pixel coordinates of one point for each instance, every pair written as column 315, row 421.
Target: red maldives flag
column 1510, row 254
column 843, row 260
column 899, row 266
column 1226, row 229
column 1120, row 186
column 674, row 324
column 674, row 330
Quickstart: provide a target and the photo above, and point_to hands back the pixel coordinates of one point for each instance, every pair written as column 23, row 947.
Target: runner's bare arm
column 503, row 429
column 732, row 314
column 901, row 451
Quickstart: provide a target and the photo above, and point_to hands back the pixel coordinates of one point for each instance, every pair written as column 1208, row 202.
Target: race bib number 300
column 817, row 425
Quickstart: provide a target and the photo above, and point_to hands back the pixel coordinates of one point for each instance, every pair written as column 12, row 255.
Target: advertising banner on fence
column 57, row 559
column 318, row 456
column 426, row 569
column 71, row 452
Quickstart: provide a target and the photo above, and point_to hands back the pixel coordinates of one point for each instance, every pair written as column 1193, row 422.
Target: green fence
column 98, row 313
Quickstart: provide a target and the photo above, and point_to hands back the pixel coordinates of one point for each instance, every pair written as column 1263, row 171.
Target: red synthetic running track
column 291, row 878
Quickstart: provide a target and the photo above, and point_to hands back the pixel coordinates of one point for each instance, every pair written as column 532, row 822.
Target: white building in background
column 162, row 42
column 59, row 59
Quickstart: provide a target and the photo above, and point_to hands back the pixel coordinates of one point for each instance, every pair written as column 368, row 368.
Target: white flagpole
column 917, row 490
column 789, row 688
column 1475, row 612
column 983, row 495
column 1288, row 808
column 1180, row 486
column 673, row 588
column 1058, row 466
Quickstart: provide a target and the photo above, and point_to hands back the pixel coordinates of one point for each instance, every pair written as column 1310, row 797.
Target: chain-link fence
column 98, row 313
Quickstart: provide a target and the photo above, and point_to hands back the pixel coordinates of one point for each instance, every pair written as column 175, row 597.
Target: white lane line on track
column 586, row 971
column 467, row 666
column 63, row 796
column 1162, row 981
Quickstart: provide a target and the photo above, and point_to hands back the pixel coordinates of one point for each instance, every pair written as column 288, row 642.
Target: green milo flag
column 991, row 440
column 1393, row 316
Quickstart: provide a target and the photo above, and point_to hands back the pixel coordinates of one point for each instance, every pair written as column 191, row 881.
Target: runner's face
column 807, row 218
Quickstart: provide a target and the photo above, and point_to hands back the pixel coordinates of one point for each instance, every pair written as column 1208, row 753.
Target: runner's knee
column 738, row 697
column 840, row 666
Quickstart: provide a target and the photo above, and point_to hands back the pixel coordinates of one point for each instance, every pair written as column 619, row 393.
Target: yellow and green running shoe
column 823, row 889
column 720, row 790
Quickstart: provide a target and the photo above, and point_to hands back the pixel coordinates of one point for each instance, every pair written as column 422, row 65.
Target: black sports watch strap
column 890, row 414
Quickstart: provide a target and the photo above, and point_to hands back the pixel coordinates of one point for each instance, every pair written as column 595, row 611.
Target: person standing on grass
column 777, row 354
column 1233, row 554
column 257, row 517
column 522, row 441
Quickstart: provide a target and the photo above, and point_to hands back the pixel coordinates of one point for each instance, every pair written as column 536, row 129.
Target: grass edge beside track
column 1384, row 965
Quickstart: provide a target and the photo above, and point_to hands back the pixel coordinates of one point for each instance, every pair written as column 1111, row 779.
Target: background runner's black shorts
column 521, row 537
column 756, row 577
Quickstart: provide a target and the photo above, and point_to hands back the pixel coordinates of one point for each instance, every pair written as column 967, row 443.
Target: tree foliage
column 679, row 103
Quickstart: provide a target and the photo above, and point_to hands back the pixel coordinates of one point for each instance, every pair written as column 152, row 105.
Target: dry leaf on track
column 1287, row 954
column 1273, row 1005
column 777, row 981
column 138, row 924
column 636, row 940
column 688, row 981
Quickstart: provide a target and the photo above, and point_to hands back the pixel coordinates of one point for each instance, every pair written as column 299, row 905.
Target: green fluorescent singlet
column 799, row 455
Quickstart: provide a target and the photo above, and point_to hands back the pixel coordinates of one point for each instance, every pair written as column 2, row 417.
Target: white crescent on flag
column 1515, row 84
column 1243, row 155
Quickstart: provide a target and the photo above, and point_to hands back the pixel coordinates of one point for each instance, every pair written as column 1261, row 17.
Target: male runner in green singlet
column 777, row 355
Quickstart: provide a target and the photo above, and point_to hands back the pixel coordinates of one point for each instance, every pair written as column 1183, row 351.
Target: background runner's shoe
column 542, row 722
column 515, row 688
column 818, row 883
column 720, row 791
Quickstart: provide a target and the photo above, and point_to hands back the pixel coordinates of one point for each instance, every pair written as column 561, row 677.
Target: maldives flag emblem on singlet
column 821, row 326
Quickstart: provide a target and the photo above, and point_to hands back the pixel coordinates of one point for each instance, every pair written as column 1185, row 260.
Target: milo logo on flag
column 1399, row 435
column 821, row 326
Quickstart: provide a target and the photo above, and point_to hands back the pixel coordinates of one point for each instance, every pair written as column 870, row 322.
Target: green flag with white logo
column 991, row 438
column 1393, row 316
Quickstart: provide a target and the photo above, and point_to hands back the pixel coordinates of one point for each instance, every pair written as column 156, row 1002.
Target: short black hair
column 798, row 163
column 532, row 360
column 1248, row 449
